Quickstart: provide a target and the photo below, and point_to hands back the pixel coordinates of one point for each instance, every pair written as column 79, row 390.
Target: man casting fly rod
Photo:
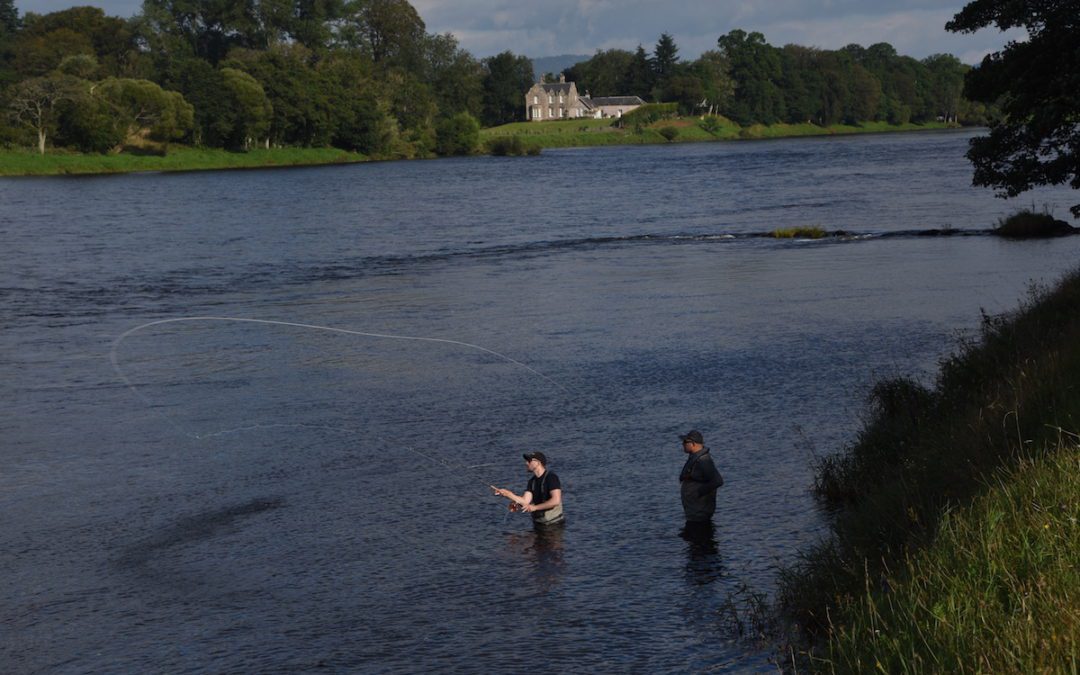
column 543, row 494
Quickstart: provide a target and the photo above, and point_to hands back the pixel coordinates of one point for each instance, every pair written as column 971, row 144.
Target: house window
column 560, row 98
column 551, row 99
column 536, row 99
column 551, row 111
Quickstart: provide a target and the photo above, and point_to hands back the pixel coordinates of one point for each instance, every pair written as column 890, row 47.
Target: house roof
column 616, row 100
column 556, row 87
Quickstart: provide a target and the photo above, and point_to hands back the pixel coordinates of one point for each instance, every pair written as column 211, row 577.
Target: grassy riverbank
column 590, row 132
column 560, row 134
column 956, row 546
column 179, row 158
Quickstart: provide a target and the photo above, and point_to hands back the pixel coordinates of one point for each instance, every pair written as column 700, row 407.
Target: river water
column 211, row 495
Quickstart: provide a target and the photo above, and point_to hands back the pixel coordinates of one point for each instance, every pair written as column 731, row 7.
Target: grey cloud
column 486, row 27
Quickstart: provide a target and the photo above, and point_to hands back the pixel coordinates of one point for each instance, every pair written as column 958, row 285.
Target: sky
column 555, row 27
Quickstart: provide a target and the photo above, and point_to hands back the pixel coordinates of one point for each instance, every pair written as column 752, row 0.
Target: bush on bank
column 997, row 404
column 1030, row 224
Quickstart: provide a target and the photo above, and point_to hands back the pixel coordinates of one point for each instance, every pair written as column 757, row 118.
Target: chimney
column 562, row 78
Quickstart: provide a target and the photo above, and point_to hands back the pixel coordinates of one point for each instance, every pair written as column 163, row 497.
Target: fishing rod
column 471, row 474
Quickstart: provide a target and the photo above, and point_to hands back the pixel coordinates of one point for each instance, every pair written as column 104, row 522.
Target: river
column 181, row 491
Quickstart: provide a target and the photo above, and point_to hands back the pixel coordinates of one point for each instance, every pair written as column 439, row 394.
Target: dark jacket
column 699, row 480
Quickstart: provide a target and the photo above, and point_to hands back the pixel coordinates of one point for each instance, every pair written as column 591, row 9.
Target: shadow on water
column 194, row 528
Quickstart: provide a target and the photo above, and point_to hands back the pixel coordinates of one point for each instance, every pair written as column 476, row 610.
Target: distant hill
column 556, row 64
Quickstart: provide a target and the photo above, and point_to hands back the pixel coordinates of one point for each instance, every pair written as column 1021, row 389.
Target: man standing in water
column 543, row 494
column 699, row 481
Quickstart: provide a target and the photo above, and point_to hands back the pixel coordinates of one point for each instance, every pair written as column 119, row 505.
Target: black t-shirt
column 541, row 487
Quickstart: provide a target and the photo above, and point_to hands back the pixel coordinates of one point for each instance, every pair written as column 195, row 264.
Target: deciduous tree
column 35, row 102
column 756, row 71
column 387, row 30
column 148, row 109
column 506, row 79
column 1037, row 82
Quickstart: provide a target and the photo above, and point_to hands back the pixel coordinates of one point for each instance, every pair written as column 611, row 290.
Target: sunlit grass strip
column 15, row 163
column 799, row 233
column 590, row 132
column 997, row 592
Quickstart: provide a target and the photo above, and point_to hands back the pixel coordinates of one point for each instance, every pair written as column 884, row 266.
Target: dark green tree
column 605, row 74
column 945, row 86
column 1037, row 83
column 39, row 54
column 9, row 26
column 714, row 72
column 357, row 123
column 687, row 91
column 250, row 115
column 388, row 31
column 458, row 135
column 453, row 76
column 506, row 80
column 300, row 108
column 756, row 71
column 90, row 124
column 207, row 29
column 9, row 18
column 640, row 78
column 665, row 59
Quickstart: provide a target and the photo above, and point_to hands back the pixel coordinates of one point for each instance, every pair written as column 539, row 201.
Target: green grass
column 16, row 163
column 799, row 233
column 557, row 134
column 591, row 132
column 997, row 592
column 925, row 453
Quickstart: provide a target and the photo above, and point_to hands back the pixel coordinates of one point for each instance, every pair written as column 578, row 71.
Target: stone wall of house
column 552, row 101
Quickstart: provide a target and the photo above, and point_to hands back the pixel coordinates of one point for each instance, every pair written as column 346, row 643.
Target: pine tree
column 9, row 18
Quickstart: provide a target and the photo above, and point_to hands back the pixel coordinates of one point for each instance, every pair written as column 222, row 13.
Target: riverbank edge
column 178, row 159
column 601, row 133
column 956, row 545
column 16, row 163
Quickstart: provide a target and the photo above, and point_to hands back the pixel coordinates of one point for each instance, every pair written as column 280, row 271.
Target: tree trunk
column 41, row 140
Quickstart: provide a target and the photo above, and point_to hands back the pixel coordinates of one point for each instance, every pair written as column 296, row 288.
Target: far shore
column 559, row 134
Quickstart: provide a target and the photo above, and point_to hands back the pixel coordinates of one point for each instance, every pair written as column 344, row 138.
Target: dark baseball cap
column 694, row 437
column 538, row 456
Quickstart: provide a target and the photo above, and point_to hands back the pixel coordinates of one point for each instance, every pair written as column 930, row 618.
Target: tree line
column 366, row 76
column 752, row 82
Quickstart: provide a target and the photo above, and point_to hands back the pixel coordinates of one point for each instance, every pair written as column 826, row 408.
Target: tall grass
column 997, row 592
column 924, row 452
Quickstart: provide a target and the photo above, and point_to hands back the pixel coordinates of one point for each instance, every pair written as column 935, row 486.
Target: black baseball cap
column 693, row 436
column 538, row 456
